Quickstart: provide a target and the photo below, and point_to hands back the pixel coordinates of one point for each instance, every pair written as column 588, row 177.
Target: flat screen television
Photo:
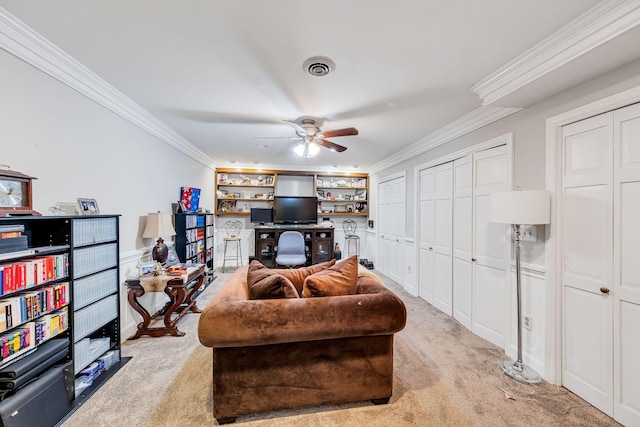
column 261, row 215
column 295, row 210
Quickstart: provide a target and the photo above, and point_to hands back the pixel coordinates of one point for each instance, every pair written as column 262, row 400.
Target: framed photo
column 361, row 194
column 268, row 180
column 350, row 207
column 88, row 206
column 320, row 194
column 223, row 178
column 172, row 258
column 319, row 183
column 147, row 268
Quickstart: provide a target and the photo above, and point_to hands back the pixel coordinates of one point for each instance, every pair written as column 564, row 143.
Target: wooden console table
column 179, row 289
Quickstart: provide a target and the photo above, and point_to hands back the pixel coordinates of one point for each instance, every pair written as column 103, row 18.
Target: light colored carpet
column 444, row 376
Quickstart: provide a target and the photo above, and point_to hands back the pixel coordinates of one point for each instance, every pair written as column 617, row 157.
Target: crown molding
column 600, row 24
column 26, row 44
column 476, row 119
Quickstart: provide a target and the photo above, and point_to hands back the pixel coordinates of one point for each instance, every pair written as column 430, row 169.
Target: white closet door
column 462, row 239
column 490, row 248
column 587, row 243
column 426, row 240
column 443, row 238
column 626, row 256
column 392, row 216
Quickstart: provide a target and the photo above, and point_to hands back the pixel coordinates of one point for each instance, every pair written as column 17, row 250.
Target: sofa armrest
column 239, row 323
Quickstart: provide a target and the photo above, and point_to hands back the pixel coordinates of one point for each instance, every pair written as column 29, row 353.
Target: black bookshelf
column 82, row 253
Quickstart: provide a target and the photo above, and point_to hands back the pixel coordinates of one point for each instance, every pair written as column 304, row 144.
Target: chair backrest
column 291, row 243
column 232, row 228
column 349, row 226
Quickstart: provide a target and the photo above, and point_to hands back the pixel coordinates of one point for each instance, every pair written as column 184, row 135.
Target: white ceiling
column 221, row 73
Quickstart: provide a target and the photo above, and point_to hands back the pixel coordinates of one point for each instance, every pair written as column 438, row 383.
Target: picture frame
column 172, row 257
column 361, row 194
column 147, row 268
column 268, row 180
column 88, row 206
column 236, row 195
column 350, row 208
column 320, row 194
column 319, row 182
column 223, row 178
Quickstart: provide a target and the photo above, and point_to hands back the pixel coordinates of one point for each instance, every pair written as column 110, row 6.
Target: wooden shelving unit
column 339, row 194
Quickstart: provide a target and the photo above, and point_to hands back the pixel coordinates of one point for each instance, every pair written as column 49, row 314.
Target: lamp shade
column 520, row 207
column 158, row 224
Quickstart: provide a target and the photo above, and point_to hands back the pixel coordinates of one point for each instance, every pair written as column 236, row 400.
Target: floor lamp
column 517, row 208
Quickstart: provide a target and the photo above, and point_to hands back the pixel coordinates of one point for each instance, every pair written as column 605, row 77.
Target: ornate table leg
column 177, row 294
column 191, row 304
column 132, row 295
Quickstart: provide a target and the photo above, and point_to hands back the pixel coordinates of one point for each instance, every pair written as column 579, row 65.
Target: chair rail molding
column 28, row 45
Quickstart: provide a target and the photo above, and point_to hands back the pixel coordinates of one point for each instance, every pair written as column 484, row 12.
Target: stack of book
column 12, row 238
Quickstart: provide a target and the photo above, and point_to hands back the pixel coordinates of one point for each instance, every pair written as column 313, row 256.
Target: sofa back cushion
column 264, row 283
column 297, row 275
column 340, row 279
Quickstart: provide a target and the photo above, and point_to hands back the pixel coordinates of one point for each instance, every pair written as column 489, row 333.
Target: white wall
column 529, row 129
column 77, row 148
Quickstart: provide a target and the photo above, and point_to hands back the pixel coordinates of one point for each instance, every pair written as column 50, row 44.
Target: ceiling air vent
column 319, row 66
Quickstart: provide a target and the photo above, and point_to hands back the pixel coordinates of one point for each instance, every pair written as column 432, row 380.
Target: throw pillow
column 297, row 275
column 340, row 279
column 264, row 283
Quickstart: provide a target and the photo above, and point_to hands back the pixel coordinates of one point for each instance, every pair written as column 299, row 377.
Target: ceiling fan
column 311, row 137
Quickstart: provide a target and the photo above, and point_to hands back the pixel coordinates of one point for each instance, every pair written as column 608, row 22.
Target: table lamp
column 517, row 208
column 158, row 225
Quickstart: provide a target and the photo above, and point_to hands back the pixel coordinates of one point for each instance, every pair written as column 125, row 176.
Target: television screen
column 295, row 210
column 261, row 215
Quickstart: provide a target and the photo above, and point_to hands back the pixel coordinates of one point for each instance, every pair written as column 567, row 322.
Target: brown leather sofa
column 275, row 354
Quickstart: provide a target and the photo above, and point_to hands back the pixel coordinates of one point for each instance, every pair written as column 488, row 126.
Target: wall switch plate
column 529, row 233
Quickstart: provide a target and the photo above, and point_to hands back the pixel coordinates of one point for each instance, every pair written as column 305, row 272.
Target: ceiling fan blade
column 339, row 132
column 299, row 129
column 289, row 138
column 331, row 145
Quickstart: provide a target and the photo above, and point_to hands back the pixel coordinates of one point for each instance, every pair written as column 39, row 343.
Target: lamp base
column 160, row 251
column 519, row 372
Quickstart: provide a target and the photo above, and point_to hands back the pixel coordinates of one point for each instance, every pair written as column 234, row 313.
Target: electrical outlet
column 529, row 233
column 527, row 322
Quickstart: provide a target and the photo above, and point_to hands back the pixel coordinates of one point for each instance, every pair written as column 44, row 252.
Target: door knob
column 604, row 290
column 473, row 259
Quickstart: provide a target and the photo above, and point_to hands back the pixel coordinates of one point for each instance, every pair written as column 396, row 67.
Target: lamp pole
column 517, row 369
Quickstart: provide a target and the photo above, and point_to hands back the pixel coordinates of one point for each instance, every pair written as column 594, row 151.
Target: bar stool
column 351, row 238
column 232, row 230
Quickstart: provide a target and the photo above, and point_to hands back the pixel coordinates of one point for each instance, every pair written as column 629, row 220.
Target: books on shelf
column 28, row 273
column 30, row 305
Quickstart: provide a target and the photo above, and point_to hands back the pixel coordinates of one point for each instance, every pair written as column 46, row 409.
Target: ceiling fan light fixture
column 318, row 66
column 306, row 149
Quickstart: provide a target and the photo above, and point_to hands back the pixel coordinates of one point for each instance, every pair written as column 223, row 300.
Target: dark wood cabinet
column 318, row 243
